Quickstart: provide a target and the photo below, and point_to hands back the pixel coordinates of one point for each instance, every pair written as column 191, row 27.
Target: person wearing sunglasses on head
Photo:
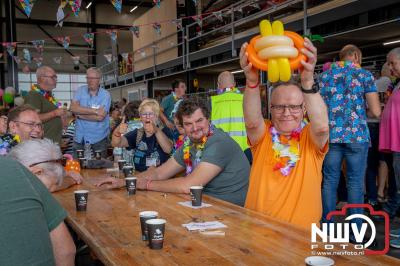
column 151, row 143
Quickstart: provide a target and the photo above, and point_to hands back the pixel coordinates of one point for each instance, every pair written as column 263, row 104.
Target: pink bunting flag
column 157, row 3
column 157, row 28
column 64, row 41
column 17, row 59
column 38, row 60
column 10, row 46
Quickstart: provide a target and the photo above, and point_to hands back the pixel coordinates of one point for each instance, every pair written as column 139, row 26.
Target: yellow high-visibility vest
column 227, row 114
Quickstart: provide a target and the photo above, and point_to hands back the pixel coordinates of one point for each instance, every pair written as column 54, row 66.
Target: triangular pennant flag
column 135, row 30
column 10, row 46
column 64, row 41
column 113, row 35
column 57, row 60
column 27, row 5
column 17, row 59
column 108, row 57
column 60, row 17
column 75, row 59
column 218, row 15
column 27, row 56
column 125, row 56
column 89, row 38
column 75, row 6
column 117, row 5
column 157, row 28
column 38, row 61
column 157, row 3
column 38, row 44
column 256, row 5
column 195, row 2
column 178, row 23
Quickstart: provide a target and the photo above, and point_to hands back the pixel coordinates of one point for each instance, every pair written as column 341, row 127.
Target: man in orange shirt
column 285, row 179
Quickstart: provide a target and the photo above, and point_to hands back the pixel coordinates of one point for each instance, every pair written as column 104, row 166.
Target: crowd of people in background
column 322, row 143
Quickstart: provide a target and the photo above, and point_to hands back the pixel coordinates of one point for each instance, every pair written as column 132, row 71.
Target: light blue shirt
column 92, row 131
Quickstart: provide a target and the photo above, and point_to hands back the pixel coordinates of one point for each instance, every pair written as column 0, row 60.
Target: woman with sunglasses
column 152, row 144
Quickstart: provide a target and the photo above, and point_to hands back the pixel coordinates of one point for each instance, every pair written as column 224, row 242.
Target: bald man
column 41, row 98
column 227, row 109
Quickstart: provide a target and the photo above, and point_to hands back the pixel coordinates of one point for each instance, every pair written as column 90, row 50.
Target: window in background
column 66, row 84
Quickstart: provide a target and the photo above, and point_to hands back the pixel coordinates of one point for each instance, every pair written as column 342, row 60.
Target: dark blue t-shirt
column 147, row 148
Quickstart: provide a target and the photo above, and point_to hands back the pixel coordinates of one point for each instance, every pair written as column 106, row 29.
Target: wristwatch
column 314, row 89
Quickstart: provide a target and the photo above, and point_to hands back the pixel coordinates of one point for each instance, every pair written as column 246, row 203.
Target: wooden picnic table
column 111, row 228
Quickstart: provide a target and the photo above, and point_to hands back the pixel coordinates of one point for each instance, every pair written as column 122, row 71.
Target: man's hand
column 75, row 176
column 110, row 183
column 170, row 125
column 101, row 112
column 59, row 112
column 307, row 73
column 250, row 72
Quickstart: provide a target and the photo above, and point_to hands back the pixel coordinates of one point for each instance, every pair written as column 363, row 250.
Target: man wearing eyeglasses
column 285, row 180
column 41, row 98
column 25, row 122
column 91, row 105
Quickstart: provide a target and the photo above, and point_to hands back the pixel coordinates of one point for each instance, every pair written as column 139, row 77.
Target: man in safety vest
column 227, row 109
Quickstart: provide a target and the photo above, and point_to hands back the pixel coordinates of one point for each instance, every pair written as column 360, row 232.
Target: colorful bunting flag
column 117, row 5
column 178, row 23
column 27, row 5
column 108, row 57
column 198, row 20
column 195, row 2
column 27, row 56
column 75, row 6
column 38, row 44
column 57, row 60
column 135, row 30
column 157, row 3
column 64, row 41
column 157, row 28
column 113, row 35
column 89, row 38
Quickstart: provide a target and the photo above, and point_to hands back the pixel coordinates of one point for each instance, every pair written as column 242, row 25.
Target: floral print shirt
column 343, row 88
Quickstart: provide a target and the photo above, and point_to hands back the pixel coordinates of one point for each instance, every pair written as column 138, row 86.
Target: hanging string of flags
column 75, row 6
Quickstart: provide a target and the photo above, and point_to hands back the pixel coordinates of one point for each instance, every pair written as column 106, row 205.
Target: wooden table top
column 111, row 228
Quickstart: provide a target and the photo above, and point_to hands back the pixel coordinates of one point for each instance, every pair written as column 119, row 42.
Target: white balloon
column 10, row 90
column 18, row 101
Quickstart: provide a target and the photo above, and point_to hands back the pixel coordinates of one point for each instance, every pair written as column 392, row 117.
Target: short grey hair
column 41, row 71
column 395, row 52
column 94, row 69
column 39, row 150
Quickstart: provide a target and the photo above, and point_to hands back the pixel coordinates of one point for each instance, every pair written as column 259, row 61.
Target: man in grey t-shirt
column 216, row 161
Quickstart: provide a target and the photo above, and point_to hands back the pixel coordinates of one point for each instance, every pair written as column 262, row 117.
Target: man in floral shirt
column 350, row 94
